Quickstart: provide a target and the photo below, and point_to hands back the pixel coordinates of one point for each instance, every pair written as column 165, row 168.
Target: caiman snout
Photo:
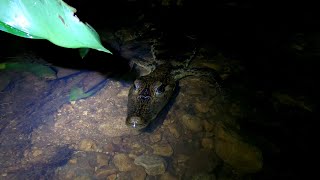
column 135, row 122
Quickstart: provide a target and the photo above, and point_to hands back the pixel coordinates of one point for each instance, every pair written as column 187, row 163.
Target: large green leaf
column 53, row 20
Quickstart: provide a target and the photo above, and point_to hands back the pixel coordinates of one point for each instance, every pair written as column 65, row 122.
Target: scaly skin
column 150, row 93
column 148, row 96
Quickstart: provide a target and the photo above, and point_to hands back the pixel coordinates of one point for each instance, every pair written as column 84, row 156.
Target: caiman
column 158, row 77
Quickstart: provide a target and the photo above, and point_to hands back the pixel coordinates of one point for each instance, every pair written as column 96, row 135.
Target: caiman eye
column 137, row 84
column 160, row 89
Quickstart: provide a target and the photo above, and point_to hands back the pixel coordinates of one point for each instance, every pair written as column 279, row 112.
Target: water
column 267, row 113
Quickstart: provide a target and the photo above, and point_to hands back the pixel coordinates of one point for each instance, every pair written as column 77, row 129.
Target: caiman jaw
column 135, row 122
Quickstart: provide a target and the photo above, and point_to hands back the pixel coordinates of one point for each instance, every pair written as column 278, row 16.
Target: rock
column 123, row 175
column 80, row 166
column 116, row 128
column 36, row 152
column 138, row 173
column 104, row 173
column 123, row 93
column 173, row 130
column 181, row 158
column 112, row 177
column 110, row 147
column 73, row 161
column 204, row 177
column 230, row 147
column 123, row 162
column 162, row 149
column 102, row 159
column 202, row 162
column 207, row 143
column 155, row 137
column 192, row 123
column 153, row 164
column 87, row 145
column 201, row 107
column 209, row 127
column 137, row 148
column 168, row 176
column 83, row 177
column 117, row 140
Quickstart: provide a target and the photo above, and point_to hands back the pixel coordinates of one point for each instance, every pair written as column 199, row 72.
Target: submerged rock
column 242, row 156
column 87, row 145
column 192, row 123
column 162, row 149
column 153, row 164
column 168, row 176
column 123, row 162
column 207, row 143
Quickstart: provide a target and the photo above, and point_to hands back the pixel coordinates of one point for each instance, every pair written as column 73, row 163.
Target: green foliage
column 53, row 20
column 39, row 70
column 78, row 93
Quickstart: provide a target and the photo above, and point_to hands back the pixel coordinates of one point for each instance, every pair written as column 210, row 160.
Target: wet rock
column 138, row 173
column 73, row 161
column 36, row 152
column 162, row 149
column 137, row 148
column 181, row 158
column 104, row 173
column 201, row 107
column 87, row 145
column 168, row 176
column 116, row 128
column 83, row 177
column 208, row 126
column 153, row 164
column 112, row 177
column 117, row 140
column 231, row 148
column 123, row 176
column 123, row 162
column 81, row 166
column 173, row 130
column 123, row 93
column 207, row 143
column 110, row 147
column 192, row 123
column 155, row 137
column 204, row 177
column 202, row 162
column 102, row 159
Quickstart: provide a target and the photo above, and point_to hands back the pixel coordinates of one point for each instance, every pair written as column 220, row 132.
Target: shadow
column 163, row 114
column 42, row 170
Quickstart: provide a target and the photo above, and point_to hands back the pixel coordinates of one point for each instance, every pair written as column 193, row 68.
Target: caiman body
column 151, row 91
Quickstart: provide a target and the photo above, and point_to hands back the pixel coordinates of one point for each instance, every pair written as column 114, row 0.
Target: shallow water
column 46, row 135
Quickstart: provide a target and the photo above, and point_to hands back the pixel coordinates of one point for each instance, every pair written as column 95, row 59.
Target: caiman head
column 148, row 96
